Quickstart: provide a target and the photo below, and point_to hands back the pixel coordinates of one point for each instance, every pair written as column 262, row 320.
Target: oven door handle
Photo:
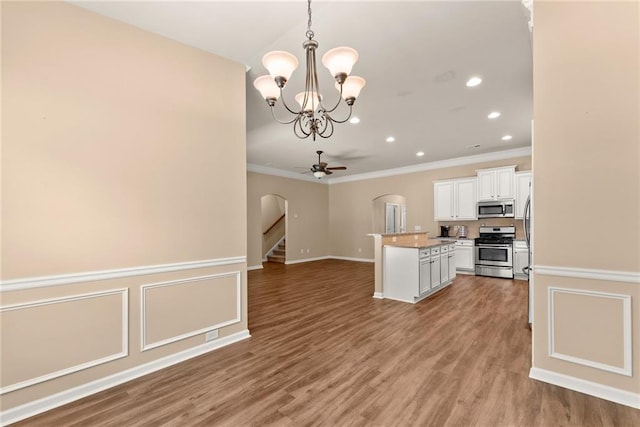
column 495, row 246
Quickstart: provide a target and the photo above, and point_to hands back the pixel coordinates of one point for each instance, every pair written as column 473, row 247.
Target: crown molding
column 285, row 174
column 459, row 161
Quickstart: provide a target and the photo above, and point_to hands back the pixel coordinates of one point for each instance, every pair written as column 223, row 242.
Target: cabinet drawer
column 424, row 253
column 464, row 242
column 435, row 251
column 444, row 249
column 452, row 248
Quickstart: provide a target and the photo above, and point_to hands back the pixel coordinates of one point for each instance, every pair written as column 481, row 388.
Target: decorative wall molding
column 588, row 273
column 50, row 402
column 124, row 351
column 601, row 391
column 626, row 369
column 91, row 276
column 378, row 295
column 255, row 267
column 143, row 309
column 282, row 173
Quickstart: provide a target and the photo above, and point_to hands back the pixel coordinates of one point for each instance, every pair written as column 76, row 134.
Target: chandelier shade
column 280, row 64
column 314, row 118
column 340, row 61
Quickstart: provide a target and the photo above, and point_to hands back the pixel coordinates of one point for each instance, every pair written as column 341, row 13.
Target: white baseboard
column 378, row 295
column 346, row 258
column 255, row 267
column 612, row 394
column 36, row 407
column 299, row 261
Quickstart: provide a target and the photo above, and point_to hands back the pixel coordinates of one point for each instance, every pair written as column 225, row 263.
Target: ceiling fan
column 320, row 169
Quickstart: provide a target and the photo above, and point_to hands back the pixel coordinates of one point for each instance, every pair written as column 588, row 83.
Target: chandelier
column 313, row 118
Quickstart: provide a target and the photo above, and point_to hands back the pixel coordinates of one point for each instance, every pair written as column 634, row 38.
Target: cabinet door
column 443, row 201
column 425, row 275
column 504, row 183
column 466, row 198
column 486, row 184
column 464, row 258
column 520, row 261
column 444, row 267
column 523, row 182
column 452, row 264
column 435, row 271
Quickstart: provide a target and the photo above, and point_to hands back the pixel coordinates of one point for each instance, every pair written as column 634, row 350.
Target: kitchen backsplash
column 473, row 227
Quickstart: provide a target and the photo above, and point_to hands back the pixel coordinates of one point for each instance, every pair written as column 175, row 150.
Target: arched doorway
column 273, row 215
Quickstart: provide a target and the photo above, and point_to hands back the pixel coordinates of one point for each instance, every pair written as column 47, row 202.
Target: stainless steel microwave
column 496, row 209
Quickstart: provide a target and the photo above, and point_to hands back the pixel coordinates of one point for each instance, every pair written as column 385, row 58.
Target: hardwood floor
column 324, row 352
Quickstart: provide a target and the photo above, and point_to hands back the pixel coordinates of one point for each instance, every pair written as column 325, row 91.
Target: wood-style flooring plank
column 323, row 352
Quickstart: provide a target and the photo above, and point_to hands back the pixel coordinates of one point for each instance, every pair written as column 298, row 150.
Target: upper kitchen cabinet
column 455, row 199
column 496, row 183
column 523, row 189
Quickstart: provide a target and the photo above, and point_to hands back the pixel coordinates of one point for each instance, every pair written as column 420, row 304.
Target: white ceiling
column 416, row 57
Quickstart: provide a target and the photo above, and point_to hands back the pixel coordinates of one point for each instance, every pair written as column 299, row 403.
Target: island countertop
column 420, row 245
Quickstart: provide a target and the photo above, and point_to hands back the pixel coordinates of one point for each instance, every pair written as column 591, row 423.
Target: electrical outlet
column 394, row 239
column 307, row 250
column 417, row 228
column 211, row 335
column 359, row 249
column 301, row 251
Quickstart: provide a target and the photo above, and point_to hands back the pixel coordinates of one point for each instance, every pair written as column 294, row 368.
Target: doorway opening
column 274, row 228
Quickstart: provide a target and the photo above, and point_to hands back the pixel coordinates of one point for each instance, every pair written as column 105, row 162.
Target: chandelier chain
column 309, row 31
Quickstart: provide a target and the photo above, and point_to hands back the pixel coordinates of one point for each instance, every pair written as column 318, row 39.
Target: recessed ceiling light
column 506, row 137
column 474, row 81
column 354, row 120
column 494, row 115
column 390, row 139
column 420, row 153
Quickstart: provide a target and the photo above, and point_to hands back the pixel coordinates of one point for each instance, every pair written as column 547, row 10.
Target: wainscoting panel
column 74, row 332
column 576, row 316
column 175, row 310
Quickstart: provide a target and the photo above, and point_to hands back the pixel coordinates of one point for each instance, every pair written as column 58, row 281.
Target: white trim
column 626, row 331
column 440, row 164
column 459, row 161
column 299, row 261
column 91, row 276
column 588, row 273
column 602, row 391
column 378, row 295
column 144, row 346
column 283, row 173
column 346, row 258
column 36, row 407
column 255, row 267
column 124, row 352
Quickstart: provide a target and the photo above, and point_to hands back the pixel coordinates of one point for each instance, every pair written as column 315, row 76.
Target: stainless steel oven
column 494, row 251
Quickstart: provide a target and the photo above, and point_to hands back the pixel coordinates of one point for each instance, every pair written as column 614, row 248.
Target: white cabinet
column 496, row 183
column 452, row 262
column 455, row 199
column 435, row 267
column 464, row 256
column 523, row 186
column 444, row 263
column 410, row 274
column 520, row 259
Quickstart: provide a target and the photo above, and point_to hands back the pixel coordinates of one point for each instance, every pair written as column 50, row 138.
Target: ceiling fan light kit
column 320, row 169
column 313, row 118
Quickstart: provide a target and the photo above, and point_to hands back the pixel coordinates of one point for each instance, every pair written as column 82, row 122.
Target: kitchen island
column 413, row 271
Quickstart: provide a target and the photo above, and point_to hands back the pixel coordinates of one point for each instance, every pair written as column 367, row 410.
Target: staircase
column 278, row 254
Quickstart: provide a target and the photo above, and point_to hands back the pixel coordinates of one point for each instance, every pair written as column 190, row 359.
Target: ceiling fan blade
column 337, row 168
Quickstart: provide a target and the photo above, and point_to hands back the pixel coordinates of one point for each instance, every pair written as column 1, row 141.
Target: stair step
column 279, row 252
column 276, row 258
column 282, row 246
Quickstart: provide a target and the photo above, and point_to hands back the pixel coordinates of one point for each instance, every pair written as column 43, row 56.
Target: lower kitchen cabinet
column 411, row 274
column 465, row 262
column 520, row 259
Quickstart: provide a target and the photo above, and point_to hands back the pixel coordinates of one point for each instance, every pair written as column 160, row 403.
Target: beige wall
column 586, row 157
column 307, row 217
column 351, row 205
column 120, row 149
